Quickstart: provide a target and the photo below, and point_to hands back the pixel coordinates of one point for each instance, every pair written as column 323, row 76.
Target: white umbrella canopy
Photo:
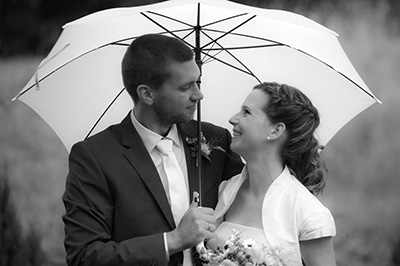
column 78, row 89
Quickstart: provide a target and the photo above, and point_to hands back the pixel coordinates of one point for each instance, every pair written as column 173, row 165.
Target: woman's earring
column 268, row 138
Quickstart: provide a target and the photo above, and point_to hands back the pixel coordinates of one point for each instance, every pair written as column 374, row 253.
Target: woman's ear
column 278, row 131
column 146, row 94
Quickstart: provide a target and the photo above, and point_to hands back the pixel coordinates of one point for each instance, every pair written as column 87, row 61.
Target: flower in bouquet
column 238, row 252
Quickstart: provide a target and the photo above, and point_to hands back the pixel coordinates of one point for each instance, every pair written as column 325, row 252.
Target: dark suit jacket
column 116, row 207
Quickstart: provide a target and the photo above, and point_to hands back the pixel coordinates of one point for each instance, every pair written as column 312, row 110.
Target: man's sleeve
column 89, row 220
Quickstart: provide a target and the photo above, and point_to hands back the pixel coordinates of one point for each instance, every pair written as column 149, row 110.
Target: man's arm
column 89, row 220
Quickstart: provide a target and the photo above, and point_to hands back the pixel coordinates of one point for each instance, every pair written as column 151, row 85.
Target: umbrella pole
column 197, row 52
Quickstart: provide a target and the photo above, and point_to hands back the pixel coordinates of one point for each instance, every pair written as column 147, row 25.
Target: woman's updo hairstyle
column 300, row 152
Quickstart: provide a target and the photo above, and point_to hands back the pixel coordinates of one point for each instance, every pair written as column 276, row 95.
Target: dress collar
column 229, row 189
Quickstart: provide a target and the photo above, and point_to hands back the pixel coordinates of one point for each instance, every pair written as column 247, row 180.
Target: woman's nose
column 233, row 120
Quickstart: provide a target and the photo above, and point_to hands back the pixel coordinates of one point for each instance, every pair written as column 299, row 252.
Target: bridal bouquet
column 238, row 252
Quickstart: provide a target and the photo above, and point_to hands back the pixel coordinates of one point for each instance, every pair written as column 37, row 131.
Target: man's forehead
column 184, row 70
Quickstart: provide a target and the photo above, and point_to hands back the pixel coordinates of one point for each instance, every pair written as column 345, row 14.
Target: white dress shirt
column 150, row 140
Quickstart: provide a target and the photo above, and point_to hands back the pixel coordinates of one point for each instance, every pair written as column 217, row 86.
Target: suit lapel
column 190, row 130
column 141, row 161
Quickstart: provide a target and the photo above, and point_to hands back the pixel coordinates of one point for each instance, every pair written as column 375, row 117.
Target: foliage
column 31, row 27
column 16, row 248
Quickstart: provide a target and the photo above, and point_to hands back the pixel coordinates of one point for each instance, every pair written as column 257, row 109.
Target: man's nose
column 197, row 95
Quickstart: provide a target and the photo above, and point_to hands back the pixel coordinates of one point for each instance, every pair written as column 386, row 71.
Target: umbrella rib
column 224, row 19
column 239, row 35
column 215, row 42
column 340, row 73
column 105, row 111
column 228, row 32
column 119, row 42
column 164, row 28
column 234, row 67
column 44, row 62
column 187, row 35
column 58, row 68
column 245, row 47
column 272, row 45
column 188, row 24
column 263, row 46
column 164, row 16
column 204, row 60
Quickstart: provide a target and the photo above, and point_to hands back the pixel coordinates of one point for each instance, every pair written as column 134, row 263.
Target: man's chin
column 189, row 117
column 184, row 119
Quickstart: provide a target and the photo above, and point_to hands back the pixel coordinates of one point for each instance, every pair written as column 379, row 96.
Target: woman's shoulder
column 306, row 198
column 291, row 206
column 313, row 217
column 288, row 193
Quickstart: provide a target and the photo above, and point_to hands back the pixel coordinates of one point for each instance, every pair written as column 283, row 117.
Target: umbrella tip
column 16, row 97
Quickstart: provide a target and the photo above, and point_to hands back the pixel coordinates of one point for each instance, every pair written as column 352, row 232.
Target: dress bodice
column 290, row 214
column 225, row 230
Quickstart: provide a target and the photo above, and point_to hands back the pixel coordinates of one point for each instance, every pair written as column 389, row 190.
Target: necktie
column 176, row 182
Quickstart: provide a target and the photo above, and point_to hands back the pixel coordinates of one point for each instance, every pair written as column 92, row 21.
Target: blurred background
column 363, row 158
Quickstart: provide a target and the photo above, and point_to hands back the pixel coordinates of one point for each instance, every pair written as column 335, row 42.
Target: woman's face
column 251, row 126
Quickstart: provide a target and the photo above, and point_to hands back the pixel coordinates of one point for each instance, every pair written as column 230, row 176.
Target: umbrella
column 79, row 86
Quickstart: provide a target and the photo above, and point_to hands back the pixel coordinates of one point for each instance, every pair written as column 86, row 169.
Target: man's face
column 176, row 100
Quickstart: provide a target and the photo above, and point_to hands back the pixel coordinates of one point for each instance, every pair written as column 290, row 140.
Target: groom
column 117, row 198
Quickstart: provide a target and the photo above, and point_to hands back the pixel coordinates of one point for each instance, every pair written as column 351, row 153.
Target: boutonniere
column 206, row 146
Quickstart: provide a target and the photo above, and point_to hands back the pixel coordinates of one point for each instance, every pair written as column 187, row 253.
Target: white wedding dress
column 290, row 214
column 225, row 230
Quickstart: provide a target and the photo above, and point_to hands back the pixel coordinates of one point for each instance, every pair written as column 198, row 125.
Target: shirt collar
column 150, row 138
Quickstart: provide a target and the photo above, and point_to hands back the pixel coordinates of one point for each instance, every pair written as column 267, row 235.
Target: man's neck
column 148, row 121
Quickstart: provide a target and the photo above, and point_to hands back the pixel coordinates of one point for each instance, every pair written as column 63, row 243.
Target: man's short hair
column 147, row 59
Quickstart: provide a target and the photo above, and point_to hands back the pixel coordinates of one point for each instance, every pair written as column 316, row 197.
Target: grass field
column 363, row 158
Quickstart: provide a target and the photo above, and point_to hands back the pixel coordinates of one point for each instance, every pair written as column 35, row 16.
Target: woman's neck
column 263, row 170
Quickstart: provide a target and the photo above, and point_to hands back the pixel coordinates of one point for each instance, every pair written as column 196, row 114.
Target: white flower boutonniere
column 206, row 146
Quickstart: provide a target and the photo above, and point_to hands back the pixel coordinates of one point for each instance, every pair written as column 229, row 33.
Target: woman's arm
column 318, row 252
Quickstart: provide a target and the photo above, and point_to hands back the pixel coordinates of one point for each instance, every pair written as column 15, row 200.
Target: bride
column 273, row 200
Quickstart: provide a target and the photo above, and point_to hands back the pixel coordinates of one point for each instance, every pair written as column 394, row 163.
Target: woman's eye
column 186, row 87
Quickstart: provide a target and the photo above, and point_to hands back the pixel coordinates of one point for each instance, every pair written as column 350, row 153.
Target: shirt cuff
column 166, row 246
